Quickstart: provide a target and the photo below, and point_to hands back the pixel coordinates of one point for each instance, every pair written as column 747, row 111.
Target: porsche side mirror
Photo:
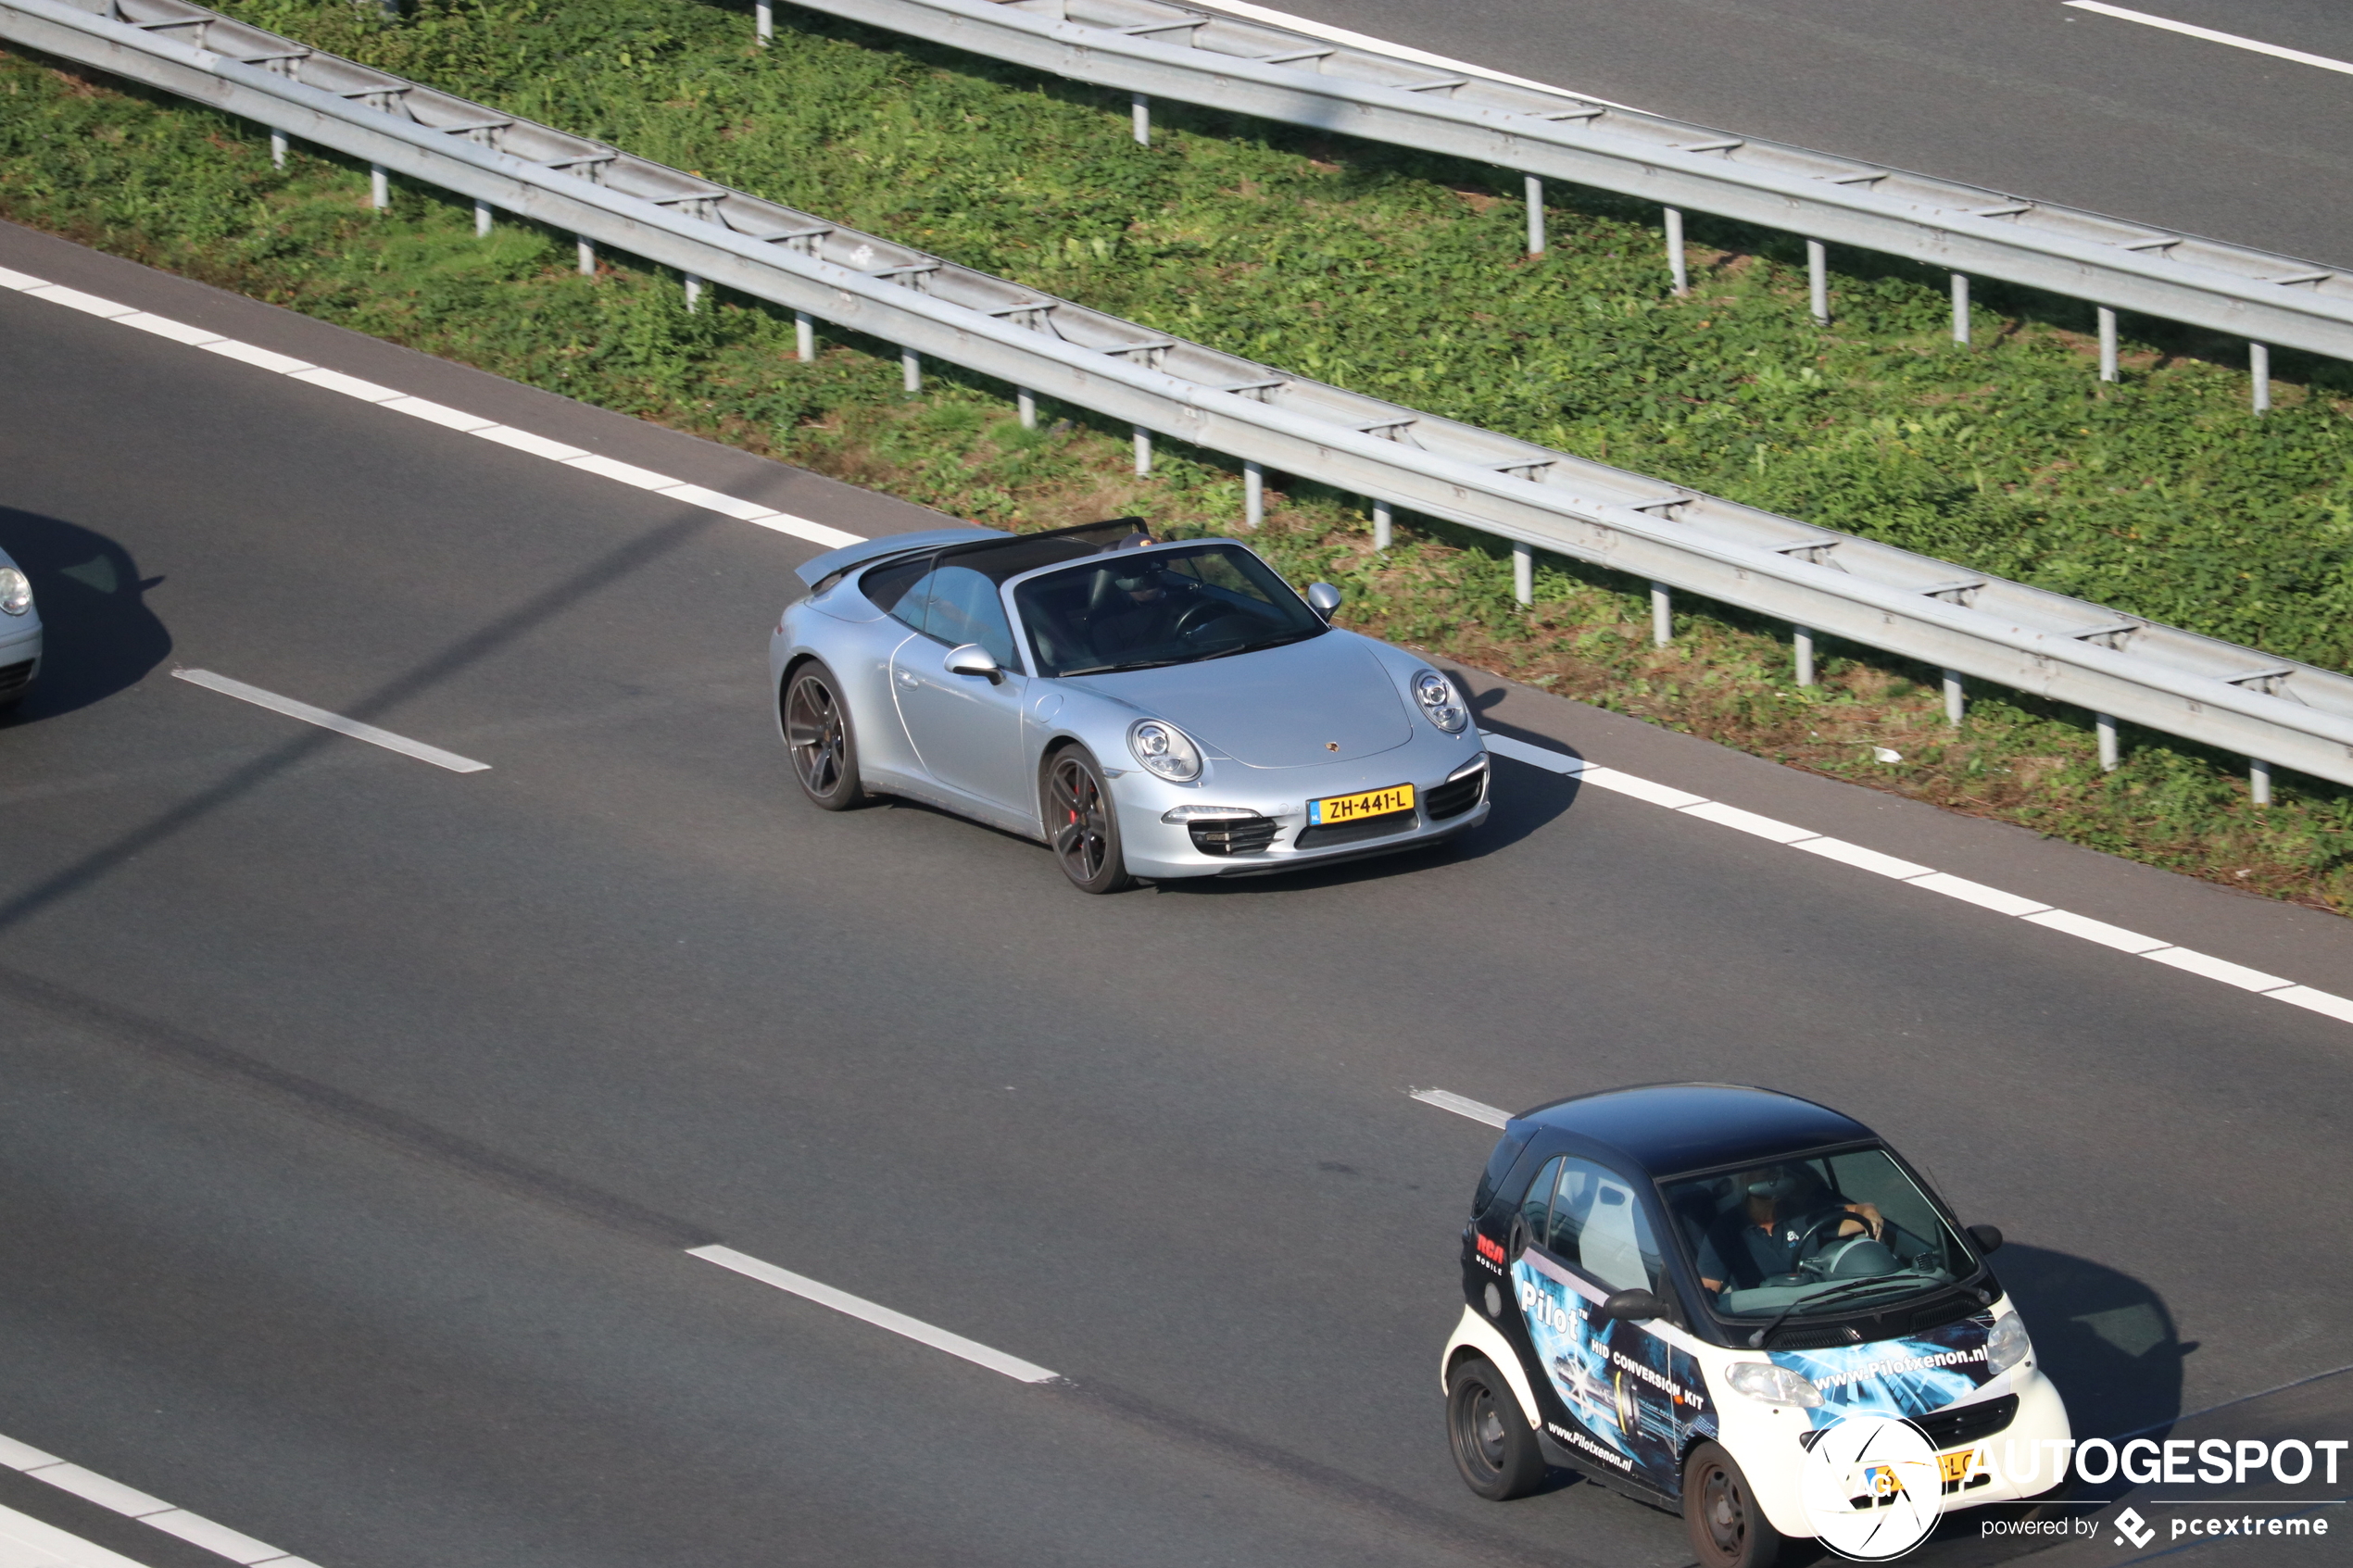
column 1323, row 598
column 1632, row 1306
column 973, row 660
column 1987, row 1237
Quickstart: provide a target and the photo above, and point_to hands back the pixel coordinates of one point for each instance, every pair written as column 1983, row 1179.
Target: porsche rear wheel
column 1494, row 1447
column 817, row 736
column 1728, row 1530
column 1082, row 824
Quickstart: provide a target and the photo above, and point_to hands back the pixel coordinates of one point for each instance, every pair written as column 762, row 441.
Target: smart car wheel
column 1082, row 824
column 1494, row 1447
column 1728, row 1530
column 817, row 735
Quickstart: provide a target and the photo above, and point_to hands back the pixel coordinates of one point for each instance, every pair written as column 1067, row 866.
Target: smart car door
column 1587, row 1236
column 965, row 728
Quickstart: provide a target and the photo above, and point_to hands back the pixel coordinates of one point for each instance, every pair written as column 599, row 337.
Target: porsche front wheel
column 1082, row 824
column 818, row 737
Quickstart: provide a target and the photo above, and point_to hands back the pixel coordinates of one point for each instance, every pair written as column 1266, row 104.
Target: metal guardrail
column 2234, row 698
column 1162, row 49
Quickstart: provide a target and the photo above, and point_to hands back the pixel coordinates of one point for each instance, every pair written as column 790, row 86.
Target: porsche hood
column 1327, row 699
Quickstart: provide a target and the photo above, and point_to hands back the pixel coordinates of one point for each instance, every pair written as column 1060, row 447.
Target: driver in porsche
column 1785, row 1212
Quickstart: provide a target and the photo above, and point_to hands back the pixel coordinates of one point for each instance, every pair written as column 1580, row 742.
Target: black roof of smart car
column 1666, row 1128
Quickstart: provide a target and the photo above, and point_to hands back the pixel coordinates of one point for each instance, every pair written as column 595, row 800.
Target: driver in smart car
column 1786, row 1215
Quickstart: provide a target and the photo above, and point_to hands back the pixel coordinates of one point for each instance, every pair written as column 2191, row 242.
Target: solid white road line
column 335, row 722
column 2032, row 910
column 2236, row 41
column 27, row 1543
column 881, row 1317
column 434, row 413
column 1461, row 1105
column 1366, row 41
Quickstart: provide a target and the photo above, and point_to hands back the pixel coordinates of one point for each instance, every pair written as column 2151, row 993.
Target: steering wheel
column 1830, row 1222
column 1200, row 613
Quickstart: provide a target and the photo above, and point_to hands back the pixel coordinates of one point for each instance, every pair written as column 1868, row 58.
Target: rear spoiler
column 833, row 563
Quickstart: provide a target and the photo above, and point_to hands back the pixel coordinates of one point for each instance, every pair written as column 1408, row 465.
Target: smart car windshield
column 1816, row 1235
column 1136, row 609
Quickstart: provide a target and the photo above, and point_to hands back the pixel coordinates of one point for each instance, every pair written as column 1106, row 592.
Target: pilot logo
column 2131, row 1526
column 1870, row 1488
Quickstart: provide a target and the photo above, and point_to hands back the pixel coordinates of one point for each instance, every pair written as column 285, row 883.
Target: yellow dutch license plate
column 1955, row 1467
column 1356, row 808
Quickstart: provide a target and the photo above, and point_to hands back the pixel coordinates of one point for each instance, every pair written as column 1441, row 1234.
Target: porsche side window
column 957, row 605
column 1593, row 1219
column 886, row 588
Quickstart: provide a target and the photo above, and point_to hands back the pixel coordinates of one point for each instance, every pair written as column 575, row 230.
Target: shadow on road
column 98, row 637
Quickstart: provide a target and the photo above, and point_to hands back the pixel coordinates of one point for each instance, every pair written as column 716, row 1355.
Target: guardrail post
column 763, row 24
column 1674, row 252
column 1662, row 615
column 1535, row 216
column 1253, row 493
column 1523, row 573
column 2107, row 343
column 804, row 336
column 1818, row 280
column 277, row 149
column 1384, row 529
column 482, row 220
column 694, row 292
column 910, row 371
column 2259, row 374
column 2259, row 780
column 1802, row 638
column 1955, row 700
column 1026, row 404
column 1960, row 308
column 379, row 187
column 1140, row 106
column 1143, row 451
column 587, row 256
column 2106, row 724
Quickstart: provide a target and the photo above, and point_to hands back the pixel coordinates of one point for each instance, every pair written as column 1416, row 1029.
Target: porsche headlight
column 16, row 591
column 1774, row 1384
column 1163, row 749
column 2008, row 1344
column 1439, row 704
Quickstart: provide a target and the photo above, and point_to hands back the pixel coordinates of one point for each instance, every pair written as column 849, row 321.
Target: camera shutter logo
column 1871, row 1487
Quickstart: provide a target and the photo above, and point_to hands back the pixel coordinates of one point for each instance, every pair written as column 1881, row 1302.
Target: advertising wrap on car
column 1635, row 1398
column 1910, row 1376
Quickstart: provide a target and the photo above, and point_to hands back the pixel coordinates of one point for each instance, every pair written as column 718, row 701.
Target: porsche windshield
column 1827, row 1233
column 1136, row 609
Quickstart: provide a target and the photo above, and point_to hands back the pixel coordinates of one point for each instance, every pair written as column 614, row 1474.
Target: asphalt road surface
column 2025, row 95
column 355, row 1115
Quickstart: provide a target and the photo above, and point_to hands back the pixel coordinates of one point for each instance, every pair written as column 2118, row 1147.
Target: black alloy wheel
column 1083, row 826
column 1726, row 1528
column 817, row 735
column 1495, row 1448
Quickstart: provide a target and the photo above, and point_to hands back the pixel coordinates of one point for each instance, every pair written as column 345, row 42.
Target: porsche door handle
column 907, row 678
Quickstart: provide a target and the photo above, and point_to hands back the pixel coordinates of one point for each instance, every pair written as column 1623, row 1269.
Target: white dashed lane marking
column 335, row 722
column 880, row 1316
column 1924, row 877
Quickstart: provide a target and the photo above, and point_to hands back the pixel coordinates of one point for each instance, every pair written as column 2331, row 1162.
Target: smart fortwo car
column 20, row 635
column 1168, row 710
column 1677, row 1290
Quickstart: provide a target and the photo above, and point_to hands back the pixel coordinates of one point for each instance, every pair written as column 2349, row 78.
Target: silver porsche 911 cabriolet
column 1147, row 709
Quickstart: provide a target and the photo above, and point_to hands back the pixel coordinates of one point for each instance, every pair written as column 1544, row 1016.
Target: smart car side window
column 1536, row 1208
column 1597, row 1222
